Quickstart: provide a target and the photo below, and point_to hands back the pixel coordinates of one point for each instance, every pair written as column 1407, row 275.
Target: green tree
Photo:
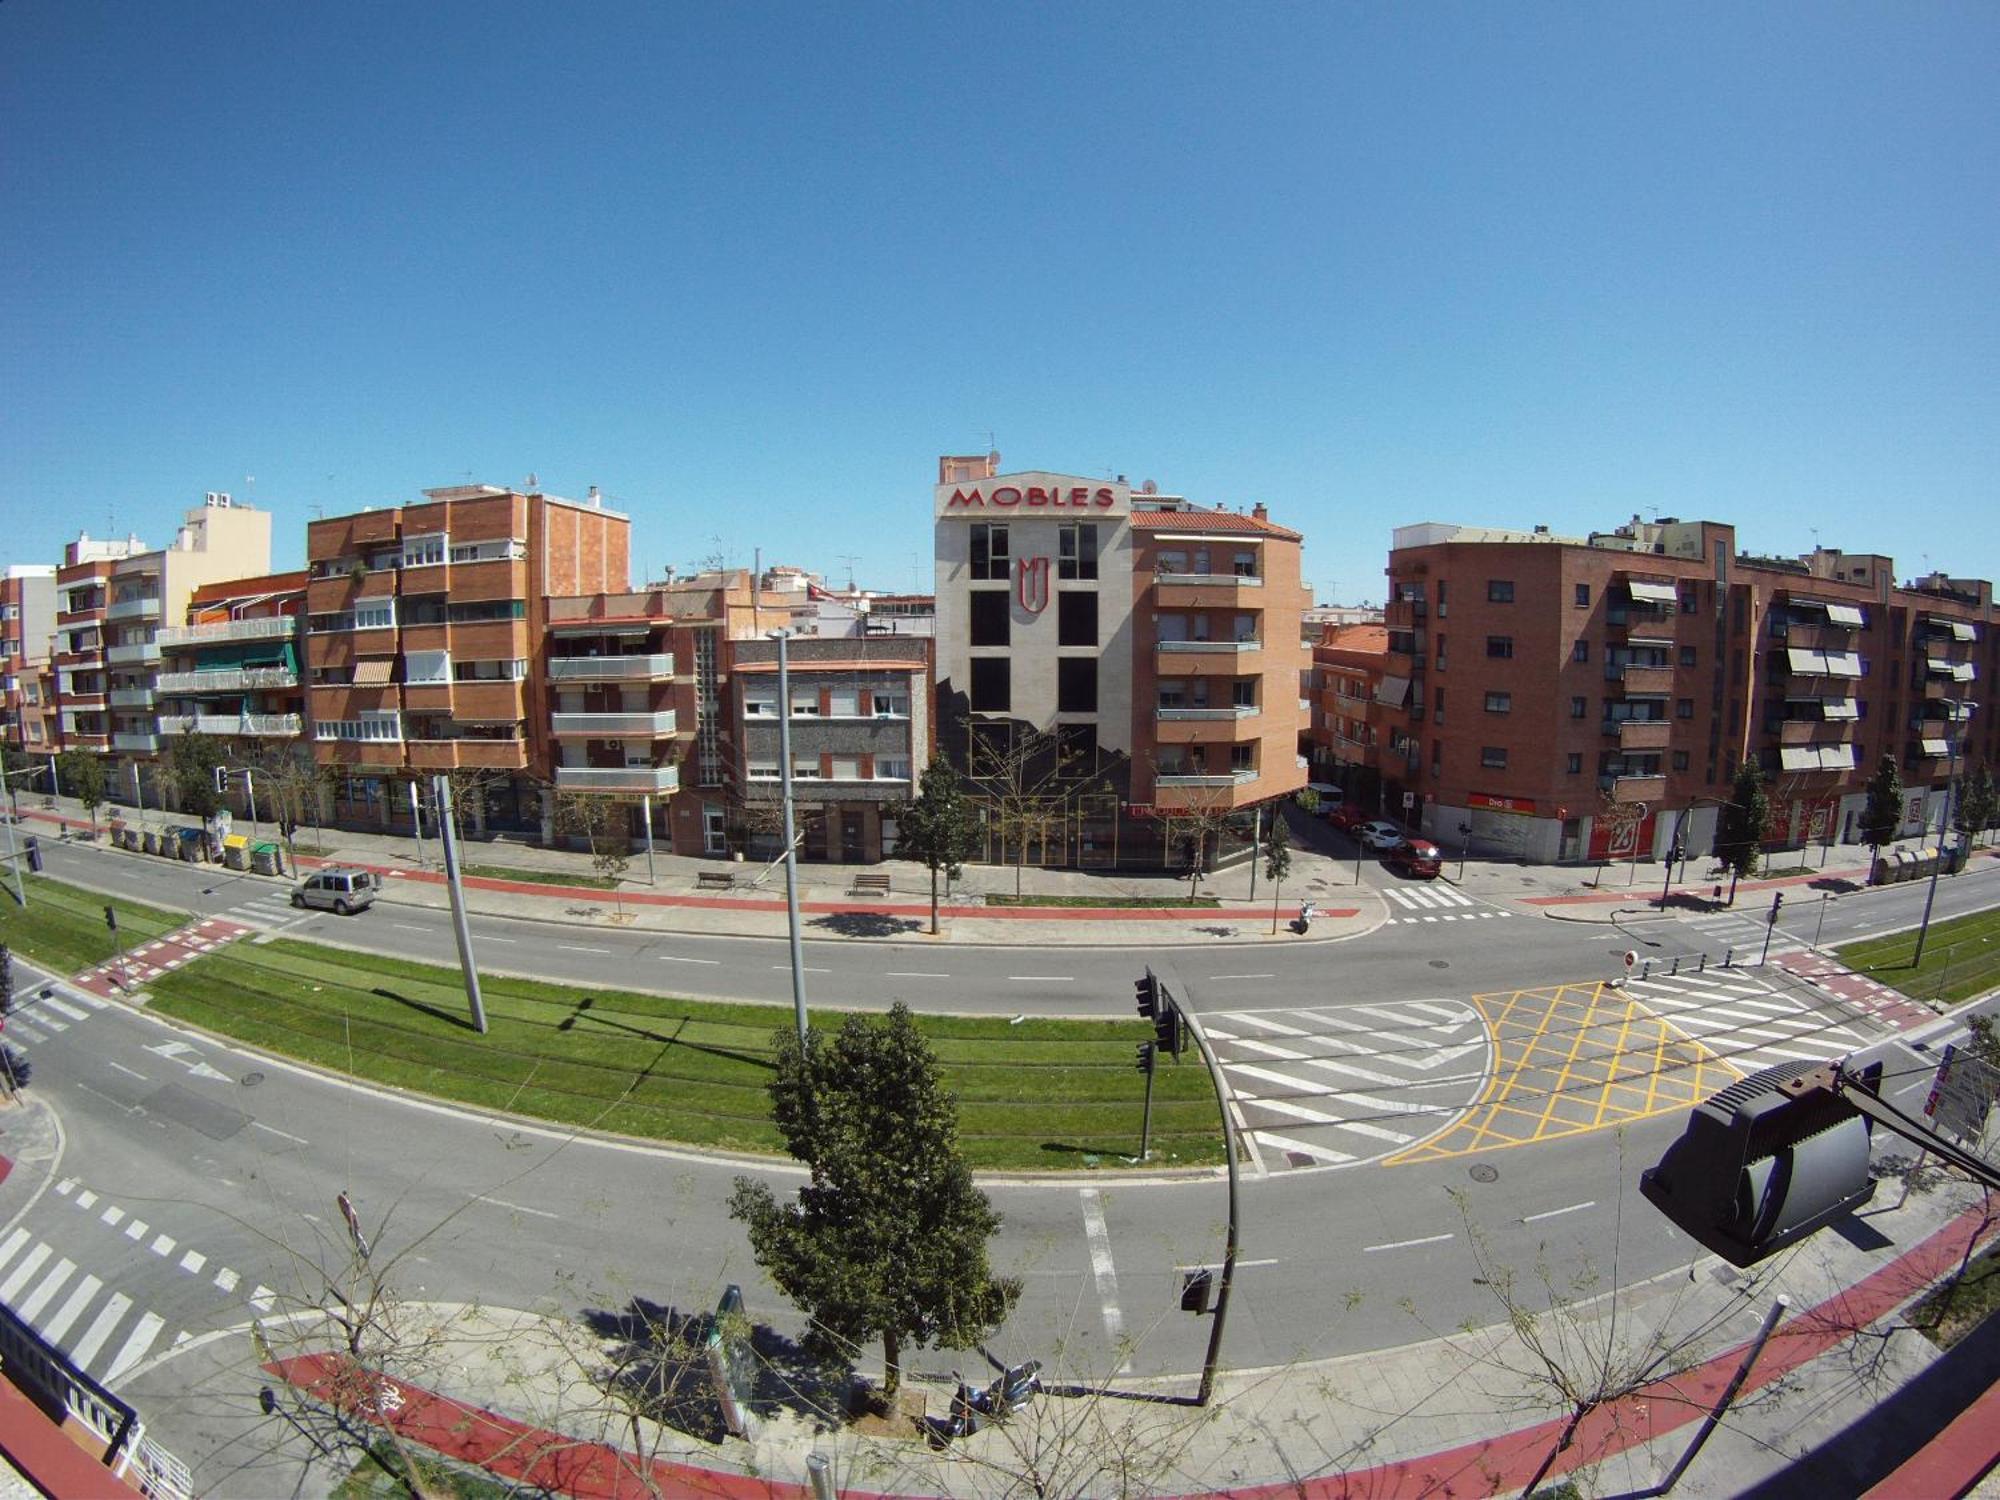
column 889, row 1237
column 1883, row 813
column 1978, row 802
column 937, row 828
column 1278, row 856
column 191, row 764
column 82, row 776
column 603, row 824
column 1739, row 832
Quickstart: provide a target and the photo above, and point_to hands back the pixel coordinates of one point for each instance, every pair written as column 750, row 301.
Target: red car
column 1415, row 857
column 1347, row 817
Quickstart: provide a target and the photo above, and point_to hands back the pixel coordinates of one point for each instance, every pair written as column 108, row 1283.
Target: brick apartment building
column 427, row 641
column 233, row 669
column 1569, row 698
column 113, row 598
column 1349, row 720
column 1154, row 643
column 27, row 620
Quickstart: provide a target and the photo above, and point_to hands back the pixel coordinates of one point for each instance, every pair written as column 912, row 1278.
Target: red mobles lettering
column 1007, row 496
column 961, row 501
column 1031, row 583
column 1105, row 499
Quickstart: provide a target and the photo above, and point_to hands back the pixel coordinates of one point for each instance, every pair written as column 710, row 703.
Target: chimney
column 596, row 500
column 1260, row 511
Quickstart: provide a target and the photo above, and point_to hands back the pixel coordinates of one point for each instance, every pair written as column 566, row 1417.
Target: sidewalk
column 1456, row 1415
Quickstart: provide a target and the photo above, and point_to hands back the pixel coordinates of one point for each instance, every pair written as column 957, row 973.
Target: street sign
column 1409, row 800
column 1961, row 1094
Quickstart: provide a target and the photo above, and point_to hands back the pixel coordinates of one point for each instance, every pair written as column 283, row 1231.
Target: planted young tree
column 82, row 776
column 292, row 780
column 1978, row 802
column 1194, row 829
column 191, row 764
column 1277, row 860
column 601, row 823
column 889, row 1237
column 1739, row 833
column 1882, row 814
column 937, row 828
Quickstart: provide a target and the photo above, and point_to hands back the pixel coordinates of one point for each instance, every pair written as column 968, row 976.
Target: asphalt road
column 234, row 1162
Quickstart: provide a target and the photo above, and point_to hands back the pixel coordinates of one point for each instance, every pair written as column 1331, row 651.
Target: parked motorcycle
column 1302, row 923
column 972, row 1407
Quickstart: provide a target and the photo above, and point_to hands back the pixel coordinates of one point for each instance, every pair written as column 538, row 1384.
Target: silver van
column 339, row 889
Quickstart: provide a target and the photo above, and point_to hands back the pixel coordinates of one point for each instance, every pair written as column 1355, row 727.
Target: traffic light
column 1148, row 995
column 1759, row 1167
column 1777, row 905
column 1194, row 1289
column 1156, row 1004
column 1167, row 1027
column 1145, row 1062
column 111, row 917
column 222, row 778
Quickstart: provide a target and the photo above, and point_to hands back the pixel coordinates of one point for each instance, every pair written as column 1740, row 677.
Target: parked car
column 1380, row 834
column 1414, row 857
column 1347, row 818
column 338, row 889
column 1329, row 795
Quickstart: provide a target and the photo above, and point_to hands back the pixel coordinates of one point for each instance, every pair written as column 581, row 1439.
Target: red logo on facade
column 1031, row 584
column 1008, row 497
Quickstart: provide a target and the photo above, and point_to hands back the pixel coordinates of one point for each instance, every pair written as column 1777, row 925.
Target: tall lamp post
column 791, row 839
column 1944, row 830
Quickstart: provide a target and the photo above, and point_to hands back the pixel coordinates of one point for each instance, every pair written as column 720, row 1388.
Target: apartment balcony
column 649, row 780
column 130, row 697
column 86, row 739
column 1635, row 788
column 1221, row 658
column 615, row 726
column 611, row 668
column 1193, row 590
column 226, row 680
column 143, row 653
column 84, row 698
column 1814, row 731
column 269, row 629
column 452, row 755
column 1197, row 781
column 134, row 609
column 249, row 726
column 384, row 755
column 1405, row 614
column 1648, row 681
column 136, row 744
column 1640, row 734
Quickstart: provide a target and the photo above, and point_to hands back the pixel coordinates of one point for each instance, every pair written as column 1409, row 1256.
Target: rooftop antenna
column 850, row 559
column 916, row 585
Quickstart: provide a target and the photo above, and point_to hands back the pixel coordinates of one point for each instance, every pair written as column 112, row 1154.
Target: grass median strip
column 1038, row 1095
column 62, row 928
column 1961, row 959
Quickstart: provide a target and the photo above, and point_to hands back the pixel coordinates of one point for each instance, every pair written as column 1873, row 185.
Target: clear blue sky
column 751, row 268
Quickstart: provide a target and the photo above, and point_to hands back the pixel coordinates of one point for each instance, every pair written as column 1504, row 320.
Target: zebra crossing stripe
column 12, row 1244
column 43, row 1294
column 108, row 1318
column 28, row 1033
column 62, row 1009
column 263, row 1299
column 1304, row 1148
column 137, row 1343
column 86, row 1199
column 24, row 1272
column 79, row 1299
column 193, row 1261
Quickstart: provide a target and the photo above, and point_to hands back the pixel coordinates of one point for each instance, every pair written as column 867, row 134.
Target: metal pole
column 1714, row 1418
column 791, row 839
column 448, row 841
column 139, row 793
column 819, row 1472
column 417, row 816
column 1231, row 1235
column 648, row 799
column 1944, row 823
column 1256, row 845
column 1146, row 1119
column 55, row 787
column 13, row 846
column 1824, row 897
column 1770, row 922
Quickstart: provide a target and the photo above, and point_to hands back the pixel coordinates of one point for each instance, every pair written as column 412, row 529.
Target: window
column 487, row 609
column 1499, row 703
column 1170, row 563
column 1245, row 629
column 421, row 551
column 1076, row 550
column 1244, row 565
column 989, row 552
column 760, row 701
column 1499, row 591
column 1076, row 618
column 375, row 614
column 1687, row 599
column 805, row 702
column 805, row 768
column 1500, row 645
column 1173, row 693
column 1437, row 712
column 1583, row 596
column 1242, row 757
column 1076, row 684
column 1574, row 763
column 1688, row 657
column 992, row 685
column 1493, row 757
column 764, row 770
column 1680, row 760
column 1441, row 641
column 489, row 671
column 1579, row 707
column 1243, row 692
column 892, row 768
column 1683, row 708
column 426, row 666
column 843, row 702
column 891, row 705
column 990, row 621
column 843, row 768
column 1580, row 651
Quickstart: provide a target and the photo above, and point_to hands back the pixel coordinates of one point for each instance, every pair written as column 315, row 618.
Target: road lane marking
column 674, row 958
column 907, row 974
column 86, row 1198
column 100, row 1330
column 407, row 927
column 1434, row 1239
column 112, row 1215
column 573, row 948
column 1217, row 978
column 45, row 1293
column 1556, row 1213
column 487, row 937
column 135, row 1229
column 273, row 1130
column 1098, row 1233
column 193, row 1261
column 162, row 1245
column 24, row 1273
column 783, row 967
column 1043, row 978
column 519, row 1208
column 71, row 1310
column 136, row 1344
column 13, row 1243
column 123, row 1069
column 225, row 1280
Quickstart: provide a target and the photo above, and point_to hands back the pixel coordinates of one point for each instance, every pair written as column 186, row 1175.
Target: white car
column 1379, row 834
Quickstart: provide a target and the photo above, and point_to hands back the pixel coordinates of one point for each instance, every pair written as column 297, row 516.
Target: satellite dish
column 1149, row 488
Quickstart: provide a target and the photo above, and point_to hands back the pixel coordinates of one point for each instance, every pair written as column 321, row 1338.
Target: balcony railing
column 610, row 668
column 267, row 629
column 138, row 744
column 135, row 609
column 1650, row 788
column 260, row 726
column 1190, row 647
column 1204, row 779
column 226, row 680
column 656, row 780
column 1640, row 734
column 612, row 726
column 133, row 655
column 131, row 697
column 1208, row 714
column 1167, row 579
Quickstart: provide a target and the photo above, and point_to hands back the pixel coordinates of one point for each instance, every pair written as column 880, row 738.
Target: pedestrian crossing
column 1340, row 1086
column 1744, row 932
column 101, row 1330
column 149, row 960
column 43, row 1014
column 270, row 911
column 1436, row 902
column 1746, row 1022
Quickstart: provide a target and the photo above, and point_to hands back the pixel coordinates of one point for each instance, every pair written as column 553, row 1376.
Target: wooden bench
column 715, row 880
column 870, row 885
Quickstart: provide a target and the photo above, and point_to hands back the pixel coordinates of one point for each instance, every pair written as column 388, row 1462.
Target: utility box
column 236, row 852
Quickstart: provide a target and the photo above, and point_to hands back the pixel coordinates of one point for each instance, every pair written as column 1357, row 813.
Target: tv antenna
column 850, row 559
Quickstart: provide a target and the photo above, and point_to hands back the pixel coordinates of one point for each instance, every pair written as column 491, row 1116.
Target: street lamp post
column 791, row 839
column 1944, row 829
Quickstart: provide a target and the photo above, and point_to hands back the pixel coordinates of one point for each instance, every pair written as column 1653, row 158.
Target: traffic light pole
column 1193, row 1028
column 1835, row 1080
column 1150, row 1061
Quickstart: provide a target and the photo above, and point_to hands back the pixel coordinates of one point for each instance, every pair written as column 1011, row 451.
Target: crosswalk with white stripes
column 1744, row 932
column 270, row 910
column 1436, row 902
column 38, row 1015
column 1745, row 1021
column 102, row 1330
column 1327, row 1086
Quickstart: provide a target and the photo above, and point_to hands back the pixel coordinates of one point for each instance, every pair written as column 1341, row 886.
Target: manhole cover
column 252, row 1079
column 1440, row 963
column 1484, row 1173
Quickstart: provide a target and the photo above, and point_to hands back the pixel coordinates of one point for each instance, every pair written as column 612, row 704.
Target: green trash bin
column 266, row 859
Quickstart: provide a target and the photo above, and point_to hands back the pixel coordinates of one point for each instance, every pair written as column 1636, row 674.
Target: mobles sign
column 1034, row 497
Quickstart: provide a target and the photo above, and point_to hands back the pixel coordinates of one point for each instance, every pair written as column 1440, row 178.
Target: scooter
column 1302, row 923
column 970, row 1408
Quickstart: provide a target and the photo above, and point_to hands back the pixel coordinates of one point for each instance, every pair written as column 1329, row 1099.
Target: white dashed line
column 1556, row 1213
column 1435, row 1239
column 905, row 974
column 573, row 948
column 540, row 1213
column 1098, row 1233
column 673, row 958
